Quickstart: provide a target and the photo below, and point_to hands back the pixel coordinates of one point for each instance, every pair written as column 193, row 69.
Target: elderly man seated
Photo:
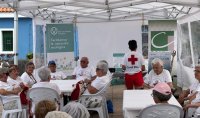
column 84, row 71
column 45, row 77
column 158, row 74
column 161, row 93
column 55, row 75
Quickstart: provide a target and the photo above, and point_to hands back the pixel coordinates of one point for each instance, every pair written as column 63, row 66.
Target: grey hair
column 103, row 61
column 44, row 73
column 103, row 66
column 76, row 110
column 157, row 60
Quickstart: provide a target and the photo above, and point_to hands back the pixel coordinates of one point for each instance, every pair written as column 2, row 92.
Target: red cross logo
column 132, row 59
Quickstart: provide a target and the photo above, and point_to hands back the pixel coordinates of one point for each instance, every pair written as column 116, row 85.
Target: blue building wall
column 25, row 34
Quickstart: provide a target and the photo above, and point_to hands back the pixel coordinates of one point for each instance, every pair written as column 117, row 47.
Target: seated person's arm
column 89, row 81
column 170, row 84
column 93, row 78
column 147, row 86
column 14, row 91
column 91, row 89
column 195, row 105
column 183, row 95
column 73, row 76
column 191, row 97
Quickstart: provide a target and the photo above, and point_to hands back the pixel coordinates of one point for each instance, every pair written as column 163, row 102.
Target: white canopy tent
column 102, row 10
column 62, row 11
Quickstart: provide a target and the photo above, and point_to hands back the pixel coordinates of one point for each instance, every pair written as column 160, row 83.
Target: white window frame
column 1, row 41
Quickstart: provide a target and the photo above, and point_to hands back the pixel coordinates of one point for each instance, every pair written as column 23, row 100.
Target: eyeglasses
column 197, row 71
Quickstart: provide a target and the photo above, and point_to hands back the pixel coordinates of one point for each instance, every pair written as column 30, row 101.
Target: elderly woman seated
column 76, row 110
column 96, row 85
column 192, row 96
column 191, row 92
column 158, row 74
column 14, row 78
column 101, row 79
column 7, row 89
column 43, row 107
column 27, row 77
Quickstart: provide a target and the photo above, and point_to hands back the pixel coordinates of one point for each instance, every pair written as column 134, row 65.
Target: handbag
column 78, row 90
column 23, row 98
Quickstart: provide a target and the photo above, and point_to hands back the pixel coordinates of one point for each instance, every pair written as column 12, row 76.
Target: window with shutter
column 7, row 40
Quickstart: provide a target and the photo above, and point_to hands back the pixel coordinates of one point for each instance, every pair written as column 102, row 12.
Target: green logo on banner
column 59, row 38
column 162, row 40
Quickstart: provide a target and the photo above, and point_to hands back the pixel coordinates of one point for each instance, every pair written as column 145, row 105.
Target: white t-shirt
column 83, row 73
column 153, row 78
column 13, row 82
column 28, row 80
column 47, row 85
column 133, row 62
column 194, row 87
column 6, row 86
column 98, row 83
column 58, row 75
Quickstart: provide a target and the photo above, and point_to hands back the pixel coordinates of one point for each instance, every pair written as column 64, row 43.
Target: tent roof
column 102, row 10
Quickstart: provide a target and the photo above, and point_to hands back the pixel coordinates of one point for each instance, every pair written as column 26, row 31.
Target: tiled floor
column 116, row 95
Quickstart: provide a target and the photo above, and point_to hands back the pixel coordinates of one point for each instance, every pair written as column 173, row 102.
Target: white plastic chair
column 36, row 95
column 102, row 109
column 11, row 98
column 162, row 111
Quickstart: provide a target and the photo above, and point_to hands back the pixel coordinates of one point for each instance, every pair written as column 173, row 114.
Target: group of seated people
column 158, row 79
column 12, row 83
column 189, row 99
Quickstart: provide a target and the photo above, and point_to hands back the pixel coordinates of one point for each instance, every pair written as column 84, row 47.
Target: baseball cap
column 52, row 63
column 162, row 88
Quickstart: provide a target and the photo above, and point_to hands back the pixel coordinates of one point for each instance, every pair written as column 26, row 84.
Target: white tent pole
column 34, row 40
column 15, row 36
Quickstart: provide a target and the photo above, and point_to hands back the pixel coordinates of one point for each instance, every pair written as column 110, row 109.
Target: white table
column 65, row 86
column 136, row 100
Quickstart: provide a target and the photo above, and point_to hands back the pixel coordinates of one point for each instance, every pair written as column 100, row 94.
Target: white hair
column 44, row 73
column 157, row 60
column 103, row 66
column 76, row 110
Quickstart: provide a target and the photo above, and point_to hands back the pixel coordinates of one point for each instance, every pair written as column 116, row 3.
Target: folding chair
column 15, row 101
column 36, row 95
column 162, row 111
